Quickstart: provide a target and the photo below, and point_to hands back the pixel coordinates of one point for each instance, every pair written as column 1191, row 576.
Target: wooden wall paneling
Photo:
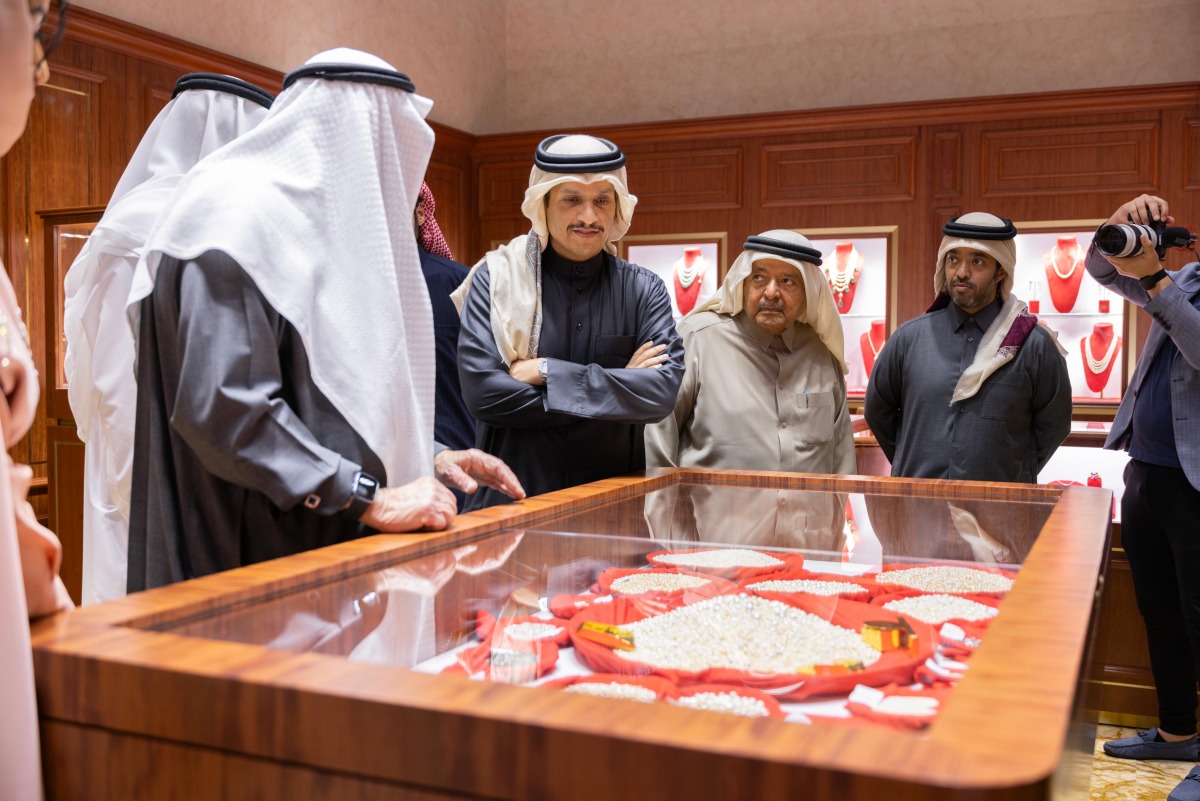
column 946, row 183
column 1070, row 159
column 65, row 494
column 1190, row 167
column 449, row 176
column 847, row 171
column 688, row 180
column 447, row 182
column 59, row 156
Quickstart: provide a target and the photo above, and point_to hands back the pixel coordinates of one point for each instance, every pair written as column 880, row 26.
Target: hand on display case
column 871, row 343
column 1099, row 351
column 1064, row 272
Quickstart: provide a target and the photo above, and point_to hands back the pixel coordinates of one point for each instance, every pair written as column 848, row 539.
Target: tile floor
column 1128, row 779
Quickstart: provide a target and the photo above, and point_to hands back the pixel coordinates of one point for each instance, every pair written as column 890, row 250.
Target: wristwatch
column 1148, row 282
column 544, row 369
column 362, row 491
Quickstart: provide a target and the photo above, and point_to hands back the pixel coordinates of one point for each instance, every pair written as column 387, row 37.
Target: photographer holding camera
column 1158, row 423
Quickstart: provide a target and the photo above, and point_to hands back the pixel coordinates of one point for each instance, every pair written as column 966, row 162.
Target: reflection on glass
column 69, row 239
column 758, row 600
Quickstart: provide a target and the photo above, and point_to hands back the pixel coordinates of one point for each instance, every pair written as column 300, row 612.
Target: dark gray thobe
column 232, row 436
column 586, row 423
column 1005, row 432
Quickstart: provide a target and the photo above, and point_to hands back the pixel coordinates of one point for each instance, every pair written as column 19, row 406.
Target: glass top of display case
column 384, row 657
column 810, row 606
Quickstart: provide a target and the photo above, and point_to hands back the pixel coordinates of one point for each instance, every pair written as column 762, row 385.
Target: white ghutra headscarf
column 316, row 205
column 795, row 249
column 205, row 113
column 515, row 269
column 995, row 236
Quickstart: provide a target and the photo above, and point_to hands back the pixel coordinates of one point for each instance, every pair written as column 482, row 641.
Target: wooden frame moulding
column 108, row 675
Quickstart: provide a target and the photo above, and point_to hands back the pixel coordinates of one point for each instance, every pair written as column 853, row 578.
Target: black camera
column 1126, row 240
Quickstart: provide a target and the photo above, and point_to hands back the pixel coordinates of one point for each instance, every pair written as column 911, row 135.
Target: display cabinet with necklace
column 688, row 278
column 843, row 275
column 1064, row 272
column 1099, row 352
column 872, row 342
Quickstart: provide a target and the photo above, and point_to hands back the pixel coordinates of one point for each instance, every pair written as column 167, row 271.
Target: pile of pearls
column 813, row 586
column 729, row 703
column 656, row 582
column 742, row 632
column 503, row 657
column 720, row 557
column 531, row 631
column 940, row 608
column 614, row 689
column 943, row 578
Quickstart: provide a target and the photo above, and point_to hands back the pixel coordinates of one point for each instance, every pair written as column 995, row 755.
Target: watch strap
column 1148, row 282
column 362, row 492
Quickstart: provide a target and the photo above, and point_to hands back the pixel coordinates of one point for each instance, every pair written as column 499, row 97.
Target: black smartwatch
column 362, row 491
column 1148, row 282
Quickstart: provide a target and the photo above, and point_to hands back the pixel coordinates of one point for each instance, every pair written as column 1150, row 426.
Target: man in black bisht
column 566, row 351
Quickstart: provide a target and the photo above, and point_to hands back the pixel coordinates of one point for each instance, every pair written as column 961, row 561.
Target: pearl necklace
column 1098, row 366
column 1074, row 266
column 687, row 274
column 871, row 342
column 840, row 281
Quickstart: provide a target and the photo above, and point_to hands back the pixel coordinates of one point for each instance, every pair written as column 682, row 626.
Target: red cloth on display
column 892, row 666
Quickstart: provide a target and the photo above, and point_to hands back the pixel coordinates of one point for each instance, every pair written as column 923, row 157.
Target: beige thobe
column 753, row 401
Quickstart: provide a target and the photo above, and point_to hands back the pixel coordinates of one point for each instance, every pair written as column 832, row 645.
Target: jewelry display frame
column 880, row 247
column 59, row 226
column 1035, row 239
column 658, row 253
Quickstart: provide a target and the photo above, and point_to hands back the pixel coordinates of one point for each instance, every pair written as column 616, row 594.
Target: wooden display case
column 290, row 679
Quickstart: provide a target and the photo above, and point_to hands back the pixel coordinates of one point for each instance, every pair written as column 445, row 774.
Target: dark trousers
column 1160, row 531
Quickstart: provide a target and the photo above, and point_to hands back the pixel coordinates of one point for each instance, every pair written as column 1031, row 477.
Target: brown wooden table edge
column 75, row 635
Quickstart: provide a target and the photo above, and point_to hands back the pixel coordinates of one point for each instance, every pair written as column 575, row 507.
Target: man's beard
column 977, row 298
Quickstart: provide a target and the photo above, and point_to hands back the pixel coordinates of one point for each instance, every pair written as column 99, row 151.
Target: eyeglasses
column 49, row 40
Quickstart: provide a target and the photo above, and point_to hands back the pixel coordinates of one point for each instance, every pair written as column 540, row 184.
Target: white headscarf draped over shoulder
column 316, row 205
column 995, row 236
column 205, row 113
column 515, row 269
column 795, row 249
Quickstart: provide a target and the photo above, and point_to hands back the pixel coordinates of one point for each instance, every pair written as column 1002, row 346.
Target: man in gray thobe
column 285, row 357
column 567, row 351
column 975, row 388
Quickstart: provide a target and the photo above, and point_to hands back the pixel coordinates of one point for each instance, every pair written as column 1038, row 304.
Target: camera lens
column 1122, row 240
